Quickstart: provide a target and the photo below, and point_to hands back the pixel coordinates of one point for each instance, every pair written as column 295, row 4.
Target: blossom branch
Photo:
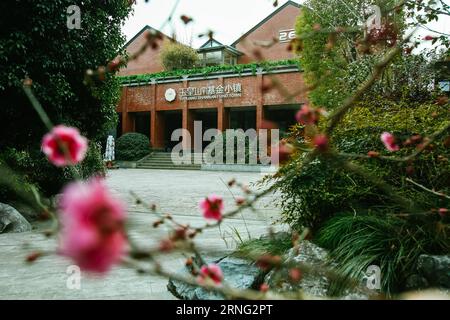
column 439, row 194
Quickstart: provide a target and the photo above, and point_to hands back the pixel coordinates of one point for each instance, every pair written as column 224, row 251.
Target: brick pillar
column 187, row 121
column 223, row 114
column 259, row 99
column 127, row 118
column 158, row 128
column 154, row 124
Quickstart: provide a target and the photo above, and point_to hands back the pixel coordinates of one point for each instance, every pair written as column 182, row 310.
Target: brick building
column 231, row 98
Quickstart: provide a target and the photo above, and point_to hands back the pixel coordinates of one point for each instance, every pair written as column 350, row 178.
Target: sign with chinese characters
column 286, row 35
column 233, row 90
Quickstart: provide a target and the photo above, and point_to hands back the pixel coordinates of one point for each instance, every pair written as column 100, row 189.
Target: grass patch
column 256, row 247
column 356, row 242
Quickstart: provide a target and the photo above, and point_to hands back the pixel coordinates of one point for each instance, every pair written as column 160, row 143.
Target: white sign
column 170, row 95
column 211, row 92
column 286, row 35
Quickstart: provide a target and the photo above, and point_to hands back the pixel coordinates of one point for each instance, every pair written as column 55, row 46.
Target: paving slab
column 173, row 191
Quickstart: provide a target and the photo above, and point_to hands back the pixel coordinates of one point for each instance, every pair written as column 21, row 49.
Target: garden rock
column 315, row 282
column 238, row 273
column 11, row 221
column 435, row 269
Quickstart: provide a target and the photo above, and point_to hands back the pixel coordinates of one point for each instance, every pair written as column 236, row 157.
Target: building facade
column 241, row 94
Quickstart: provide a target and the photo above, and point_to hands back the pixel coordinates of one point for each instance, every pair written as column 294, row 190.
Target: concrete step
column 169, row 163
column 169, row 157
column 163, row 160
column 169, row 168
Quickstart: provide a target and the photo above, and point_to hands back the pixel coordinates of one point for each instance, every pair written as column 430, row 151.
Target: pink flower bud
column 388, row 140
column 64, row 146
column 212, row 272
column 212, row 207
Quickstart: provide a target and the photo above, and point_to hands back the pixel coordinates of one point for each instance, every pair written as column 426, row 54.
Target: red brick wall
column 283, row 20
column 148, row 62
column 148, row 97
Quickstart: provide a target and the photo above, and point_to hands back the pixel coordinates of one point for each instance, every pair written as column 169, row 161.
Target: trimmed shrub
column 132, row 146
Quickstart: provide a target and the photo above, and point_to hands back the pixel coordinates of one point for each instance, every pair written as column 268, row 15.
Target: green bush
column 176, row 56
column 58, row 74
column 249, row 152
column 93, row 164
column 132, row 146
column 320, row 190
column 35, row 170
column 393, row 244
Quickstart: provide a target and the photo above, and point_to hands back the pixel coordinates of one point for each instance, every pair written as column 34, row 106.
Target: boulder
column 238, row 273
column 11, row 221
column 435, row 269
column 315, row 283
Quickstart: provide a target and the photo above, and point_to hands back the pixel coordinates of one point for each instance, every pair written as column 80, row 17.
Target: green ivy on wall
column 205, row 71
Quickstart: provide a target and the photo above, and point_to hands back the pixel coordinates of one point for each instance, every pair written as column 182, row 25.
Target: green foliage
column 361, row 128
column 408, row 78
column 92, row 164
column 132, row 146
column 177, row 56
column 321, row 190
column 258, row 247
column 323, row 68
column 358, row 241
column 36, row 170
column 37, row 43
column 247, row 151
column 205, row 71
column 327, row 58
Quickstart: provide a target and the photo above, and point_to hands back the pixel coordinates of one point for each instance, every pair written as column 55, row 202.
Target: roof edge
column 288, row 3
column 145, row 28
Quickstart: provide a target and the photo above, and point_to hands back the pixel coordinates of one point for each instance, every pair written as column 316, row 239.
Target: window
column 213, row 58
column 228, row 58
column 217, row 57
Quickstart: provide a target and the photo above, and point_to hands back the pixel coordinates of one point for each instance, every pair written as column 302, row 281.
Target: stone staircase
column 163, row 160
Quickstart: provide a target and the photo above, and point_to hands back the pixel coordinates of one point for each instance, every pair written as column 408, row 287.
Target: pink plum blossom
column 212, row 207
column 92, row 226
column 64, row 146
column 320, row 141
column 388, row 140
column 212, row 272
column 307, row 115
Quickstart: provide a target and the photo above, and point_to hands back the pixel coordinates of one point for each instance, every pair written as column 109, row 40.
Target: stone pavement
column 175, row 192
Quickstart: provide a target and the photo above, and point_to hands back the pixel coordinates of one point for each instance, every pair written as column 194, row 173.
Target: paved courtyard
column 176, row 192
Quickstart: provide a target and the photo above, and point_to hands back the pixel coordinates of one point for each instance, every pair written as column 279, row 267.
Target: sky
column 229, row 19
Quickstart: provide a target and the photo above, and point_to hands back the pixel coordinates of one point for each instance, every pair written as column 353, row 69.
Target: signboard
column 170, row 95
column 286, row 35
column 233, row 90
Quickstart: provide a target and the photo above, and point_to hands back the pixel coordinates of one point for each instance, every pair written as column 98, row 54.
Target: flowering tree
column 91, row 222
